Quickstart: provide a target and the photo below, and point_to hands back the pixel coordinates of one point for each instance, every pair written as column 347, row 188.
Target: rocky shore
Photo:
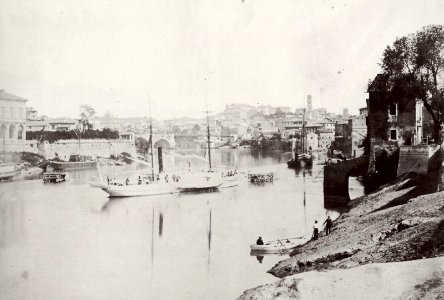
column 395, row 224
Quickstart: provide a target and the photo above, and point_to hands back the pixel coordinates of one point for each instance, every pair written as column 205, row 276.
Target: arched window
column 3, row 131
column 12, row 131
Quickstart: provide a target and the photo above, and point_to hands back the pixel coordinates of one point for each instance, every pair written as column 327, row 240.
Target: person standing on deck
column 328, row 225
column 315, row 230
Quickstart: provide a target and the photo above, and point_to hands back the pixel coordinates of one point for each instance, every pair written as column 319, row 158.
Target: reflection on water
column 71, row 241
column 160, row 224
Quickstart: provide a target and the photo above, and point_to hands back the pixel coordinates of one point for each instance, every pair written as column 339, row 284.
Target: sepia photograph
column 221, row 149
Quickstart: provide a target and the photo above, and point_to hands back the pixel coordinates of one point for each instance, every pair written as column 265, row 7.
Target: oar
column 291, row 238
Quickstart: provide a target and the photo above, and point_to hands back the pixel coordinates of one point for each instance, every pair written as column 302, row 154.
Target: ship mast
column 208, row 125
column 303, row 133
column 208, row 139
column 151, row 138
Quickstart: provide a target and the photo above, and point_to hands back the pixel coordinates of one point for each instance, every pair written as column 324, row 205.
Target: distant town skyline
column 115, row 56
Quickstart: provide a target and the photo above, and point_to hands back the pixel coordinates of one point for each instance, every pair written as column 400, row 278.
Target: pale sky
column 112, row 54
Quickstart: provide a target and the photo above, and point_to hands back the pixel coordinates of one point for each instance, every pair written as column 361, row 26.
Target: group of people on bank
column 328, row 225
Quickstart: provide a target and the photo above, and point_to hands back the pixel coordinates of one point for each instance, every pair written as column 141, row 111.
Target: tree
column 413, row 66
column 87, row 113
column 196, row 128
column 142, row 145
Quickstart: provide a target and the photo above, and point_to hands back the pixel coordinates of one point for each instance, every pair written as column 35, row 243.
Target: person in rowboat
column 259, row 241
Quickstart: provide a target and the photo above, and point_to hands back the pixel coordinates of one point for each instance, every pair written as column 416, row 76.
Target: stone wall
column 65, row 148
column 19, row 146
column 336, row 180
column 102, row 148
column 414, row 159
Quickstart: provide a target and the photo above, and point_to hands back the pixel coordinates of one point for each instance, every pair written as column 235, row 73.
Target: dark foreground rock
column 418, row 279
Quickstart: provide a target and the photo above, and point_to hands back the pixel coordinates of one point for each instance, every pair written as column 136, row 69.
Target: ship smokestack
column 160, row 159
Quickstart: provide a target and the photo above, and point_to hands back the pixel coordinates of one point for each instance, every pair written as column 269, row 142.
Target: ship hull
column 152, row 189
column 68, row 165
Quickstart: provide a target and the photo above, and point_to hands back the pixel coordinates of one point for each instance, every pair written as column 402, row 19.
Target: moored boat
column 300, row 160
column 73, row 165
column 231, row 180
column 277, row 246
column 55, row 176
column 150, row 189
column 261, row 177
column 7, row 171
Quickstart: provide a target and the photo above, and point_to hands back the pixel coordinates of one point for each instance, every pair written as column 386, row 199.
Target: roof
column 326, row 121
column 325, row 131
column 7, row 96
column 63, row 121
column 36, row 122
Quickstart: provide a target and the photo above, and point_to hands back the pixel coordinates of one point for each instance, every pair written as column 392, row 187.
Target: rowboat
column 277, row 246
column 231, row 180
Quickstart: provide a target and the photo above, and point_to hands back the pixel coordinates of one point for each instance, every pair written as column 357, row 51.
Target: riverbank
column 391, row 225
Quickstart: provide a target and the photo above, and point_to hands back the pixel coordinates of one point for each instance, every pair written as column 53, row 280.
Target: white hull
column 230, row 181
column 278, row 246
column 196, row 182
column 151, row 189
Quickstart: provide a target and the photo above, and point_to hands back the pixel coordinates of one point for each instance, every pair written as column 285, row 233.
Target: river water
column 70, row 241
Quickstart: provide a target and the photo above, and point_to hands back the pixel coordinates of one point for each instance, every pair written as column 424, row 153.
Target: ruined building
column 395, row 119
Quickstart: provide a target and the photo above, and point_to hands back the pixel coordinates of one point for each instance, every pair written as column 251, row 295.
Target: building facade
column 394, row 119
column 12, row 120
column 326, row 137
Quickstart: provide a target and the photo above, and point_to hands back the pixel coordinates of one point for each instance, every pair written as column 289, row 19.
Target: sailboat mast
column 151, row 139
column 208, row 139
column 303, row 133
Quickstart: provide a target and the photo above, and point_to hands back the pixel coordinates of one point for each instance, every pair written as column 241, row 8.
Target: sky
column 118, row 56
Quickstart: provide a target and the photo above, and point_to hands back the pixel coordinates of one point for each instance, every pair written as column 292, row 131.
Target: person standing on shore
column 315, row 230
column 328, row 225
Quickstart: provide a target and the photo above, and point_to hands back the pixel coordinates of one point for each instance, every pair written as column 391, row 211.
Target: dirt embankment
column 391, row 225
column 417, row 279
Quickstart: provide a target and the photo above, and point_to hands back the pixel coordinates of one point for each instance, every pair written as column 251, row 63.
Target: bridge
column 336, row 180
column 166, row 141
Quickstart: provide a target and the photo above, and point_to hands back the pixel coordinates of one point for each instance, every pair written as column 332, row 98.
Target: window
column 20, row 133
column 392, row 109
column 393, row 134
